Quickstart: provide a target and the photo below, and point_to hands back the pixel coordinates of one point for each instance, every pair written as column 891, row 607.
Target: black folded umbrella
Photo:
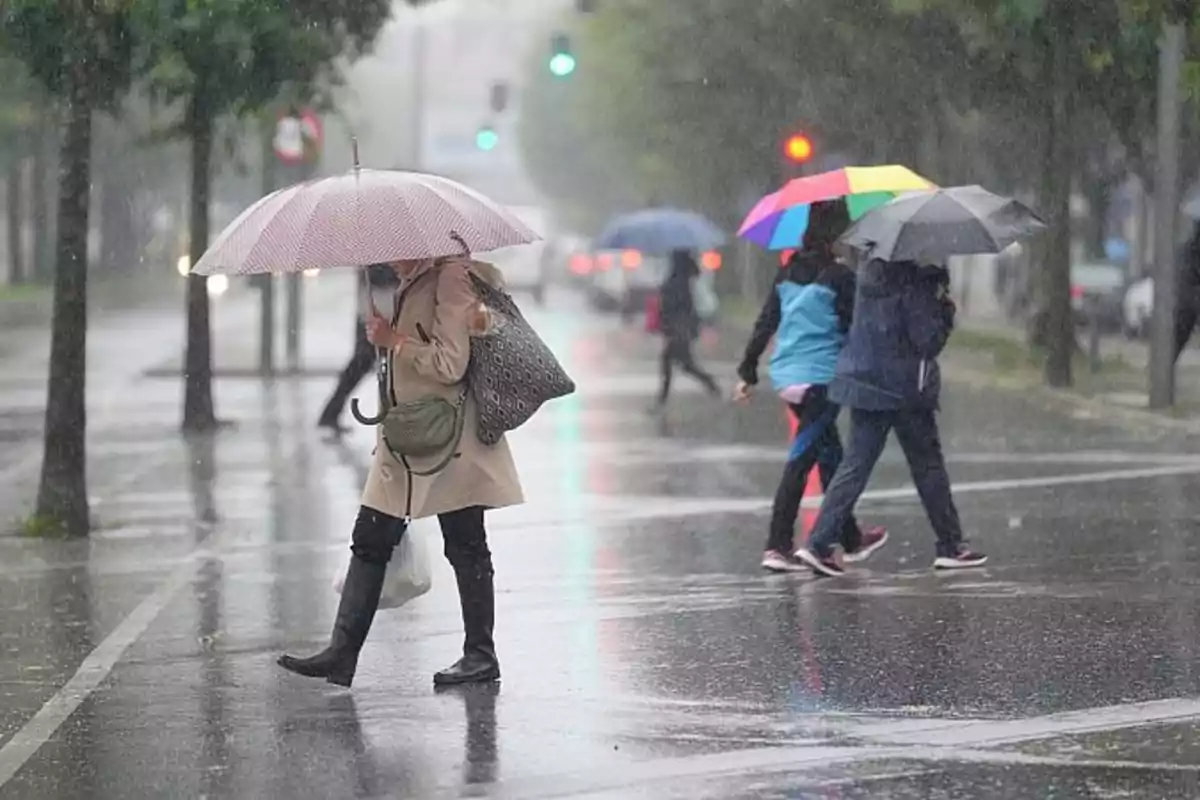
column 929, row 227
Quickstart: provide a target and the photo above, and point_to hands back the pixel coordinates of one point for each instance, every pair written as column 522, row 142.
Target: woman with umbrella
column 680, row 325
column 676, row 234
column 425, row 348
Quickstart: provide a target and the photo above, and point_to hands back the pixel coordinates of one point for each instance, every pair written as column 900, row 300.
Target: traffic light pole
column 1166, row 211
column 266, row 333
column 417, row 113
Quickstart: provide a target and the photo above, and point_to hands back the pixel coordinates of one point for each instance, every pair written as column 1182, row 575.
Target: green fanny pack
column 424, row 428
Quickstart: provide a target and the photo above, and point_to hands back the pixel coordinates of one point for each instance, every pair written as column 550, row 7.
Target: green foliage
column 235, row 56
column 60, row 41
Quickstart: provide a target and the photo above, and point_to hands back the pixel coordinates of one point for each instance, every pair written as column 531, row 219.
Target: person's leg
column 815, row 414
column 1185, row 321
column 857, row 544
column 666, row 365
column 868, row 435
column 917, row 433
column 360, row 366
column 375, row 537
column 467, row 551
column 687, row 361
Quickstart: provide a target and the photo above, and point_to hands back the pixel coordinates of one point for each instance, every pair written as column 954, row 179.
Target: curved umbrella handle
column 363, row 419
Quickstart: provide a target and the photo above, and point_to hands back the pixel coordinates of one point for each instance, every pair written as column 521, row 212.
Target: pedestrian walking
column 887, row 374
column 428, row 346
column 1187, row 309
column 808, row 312
column 680, row 325
column 362, row 361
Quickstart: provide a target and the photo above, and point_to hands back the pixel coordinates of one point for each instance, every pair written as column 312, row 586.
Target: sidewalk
column 135, row 389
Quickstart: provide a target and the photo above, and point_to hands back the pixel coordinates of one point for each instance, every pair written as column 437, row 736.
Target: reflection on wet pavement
column 644, row 653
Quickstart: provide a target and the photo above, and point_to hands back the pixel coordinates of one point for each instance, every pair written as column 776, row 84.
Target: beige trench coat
column 445, row 305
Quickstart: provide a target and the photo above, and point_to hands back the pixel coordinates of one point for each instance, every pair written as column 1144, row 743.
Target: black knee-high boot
column 476, row 593
column 375, row 536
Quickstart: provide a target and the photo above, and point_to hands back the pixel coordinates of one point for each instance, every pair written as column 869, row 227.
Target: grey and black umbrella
column 929, row 227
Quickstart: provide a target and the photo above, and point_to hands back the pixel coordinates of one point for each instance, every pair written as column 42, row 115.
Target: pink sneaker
column 872, row 539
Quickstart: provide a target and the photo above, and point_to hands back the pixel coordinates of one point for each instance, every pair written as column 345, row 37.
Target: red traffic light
column 798, row 149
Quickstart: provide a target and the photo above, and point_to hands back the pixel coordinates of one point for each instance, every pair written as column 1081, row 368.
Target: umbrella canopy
column 658, row 231
column 779, row 220
column 361, row 218
column 929, row 227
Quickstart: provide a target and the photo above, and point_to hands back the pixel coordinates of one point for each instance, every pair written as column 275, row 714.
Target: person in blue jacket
column 888, row 376
column 808, row 313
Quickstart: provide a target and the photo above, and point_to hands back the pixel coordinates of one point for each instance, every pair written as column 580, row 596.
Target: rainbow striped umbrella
column 779, row 220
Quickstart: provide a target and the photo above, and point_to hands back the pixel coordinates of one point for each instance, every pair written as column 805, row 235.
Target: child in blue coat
column 808, row 313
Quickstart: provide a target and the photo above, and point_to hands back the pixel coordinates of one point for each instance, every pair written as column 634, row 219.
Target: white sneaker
column 774, row 561
column 965, row 558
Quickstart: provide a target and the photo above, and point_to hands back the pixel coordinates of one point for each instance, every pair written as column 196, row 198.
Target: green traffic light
column 487, row 139
column 562, row 64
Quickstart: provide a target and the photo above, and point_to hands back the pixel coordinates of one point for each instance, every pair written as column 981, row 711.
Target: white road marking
column 94, row 669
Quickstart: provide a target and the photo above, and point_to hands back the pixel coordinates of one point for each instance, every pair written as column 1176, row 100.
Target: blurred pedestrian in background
column 808, row 312
column 1187, row 309
column 362, row 362
column 679, row 323
column 888, row 376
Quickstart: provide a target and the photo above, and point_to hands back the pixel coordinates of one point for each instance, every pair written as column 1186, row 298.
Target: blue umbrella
column 658, row 231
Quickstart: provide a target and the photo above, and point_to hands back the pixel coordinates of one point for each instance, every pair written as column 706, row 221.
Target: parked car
column 1138, row 308
column 623, row 280
column 526, row 268
column 1098, row 288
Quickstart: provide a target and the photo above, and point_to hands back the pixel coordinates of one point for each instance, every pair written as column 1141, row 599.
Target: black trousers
column 678, row 351
column 377, row 534
column 359, row 367
column 917, row 432
column 818, row 444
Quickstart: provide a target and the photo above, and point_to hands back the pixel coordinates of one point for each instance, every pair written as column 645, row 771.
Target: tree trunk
column 1056, row 266
column 43, row 243
column 62, row 494
column 198, row 411
column 14, row 205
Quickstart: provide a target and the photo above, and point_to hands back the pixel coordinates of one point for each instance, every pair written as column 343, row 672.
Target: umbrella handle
column 363, row 419
column 383, row 374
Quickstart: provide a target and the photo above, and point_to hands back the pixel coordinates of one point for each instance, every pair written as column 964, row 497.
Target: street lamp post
column 1166, row 211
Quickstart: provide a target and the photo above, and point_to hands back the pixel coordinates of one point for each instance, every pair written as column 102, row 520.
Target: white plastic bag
column 408, row 573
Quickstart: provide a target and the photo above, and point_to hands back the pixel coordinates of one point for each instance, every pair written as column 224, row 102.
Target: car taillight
column 604, row 262
column 581, row 264
column 711, row 261
column 631, row 259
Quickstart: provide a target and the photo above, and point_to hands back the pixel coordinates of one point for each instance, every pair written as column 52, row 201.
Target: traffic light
column 798, row 149
column 499, row 97
column 562, row 60
column 486, row 138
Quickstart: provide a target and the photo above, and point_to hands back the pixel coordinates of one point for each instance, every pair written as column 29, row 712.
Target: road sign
column 298, row 138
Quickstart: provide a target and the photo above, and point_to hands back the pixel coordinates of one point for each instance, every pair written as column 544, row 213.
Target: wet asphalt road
column 644, row 654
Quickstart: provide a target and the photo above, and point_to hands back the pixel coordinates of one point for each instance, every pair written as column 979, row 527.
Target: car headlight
column 217, row 285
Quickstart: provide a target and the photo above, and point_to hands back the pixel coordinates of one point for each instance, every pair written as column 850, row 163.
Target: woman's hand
column 380, row 333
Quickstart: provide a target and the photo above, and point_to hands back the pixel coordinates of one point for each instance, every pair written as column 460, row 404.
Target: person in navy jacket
column 808, row 313
column 887, row 374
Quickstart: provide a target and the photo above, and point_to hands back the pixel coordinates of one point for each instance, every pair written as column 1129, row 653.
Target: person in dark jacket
column 888, row 376
column 1187, row 308
column 362, row 362
column 808, row 312
column 680, row 325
